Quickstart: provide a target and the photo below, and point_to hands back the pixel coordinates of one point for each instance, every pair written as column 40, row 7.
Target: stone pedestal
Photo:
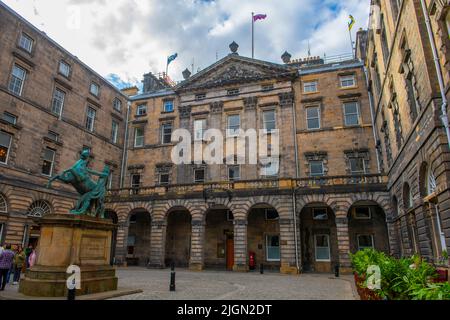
column 71, row 240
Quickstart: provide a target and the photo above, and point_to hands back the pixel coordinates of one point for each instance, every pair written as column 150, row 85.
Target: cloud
column 128, row 38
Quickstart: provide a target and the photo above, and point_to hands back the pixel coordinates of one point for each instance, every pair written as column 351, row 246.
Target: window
column 365, row 242
column 270, row 169
column 431, row 182
column 117, row 105
column 141, row 110
column 269, row 120
column 199, row 175
column 271, row 214
column 39, row 209
column 357, row 165
column 266, row 88
column 230, row 215
column 310, row 87
column 234, row 173
column 273, row 248
column 168, row 106
column 233, row 92
column 47, row 165
column 131, row 240
column 17, row 80
column 199, row 129
column 200, row 96
column 164, row 179
column 10, row 118
column 90, row 119
column 166, row 133
column 139, row 137
column 362, row 213
column 320, row 213
column 3, row 206
column 26, row 43
column 351, row 113
column 234, row 124
column 384, row 42
column 110, row 180
column 94, row 89
column 135, row 181
column 313, row 118
column 348, row 81
column 64, row 69
column 114, row 131
column 53, row 136
column 316, row 168
column 5, row 145
column 322, row 242
column 58, row 102
column 1, row 232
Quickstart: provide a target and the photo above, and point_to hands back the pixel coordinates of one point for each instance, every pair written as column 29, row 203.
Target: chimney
column 361, row 44
column 186, row 74
column 286, row 57
column 152, row 83
column 131, row 91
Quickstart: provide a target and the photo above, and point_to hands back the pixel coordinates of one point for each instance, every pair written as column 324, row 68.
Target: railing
column 304, row 183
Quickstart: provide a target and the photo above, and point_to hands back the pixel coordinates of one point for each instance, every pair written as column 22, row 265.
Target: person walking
column 19, row 261
column 6, row 261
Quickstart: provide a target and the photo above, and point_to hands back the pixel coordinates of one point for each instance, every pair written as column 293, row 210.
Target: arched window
column 407, row 196
column 39, row 209
column 3, row 205
column 431, row 181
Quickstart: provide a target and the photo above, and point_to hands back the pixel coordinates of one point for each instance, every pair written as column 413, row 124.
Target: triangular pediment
column 235, row 69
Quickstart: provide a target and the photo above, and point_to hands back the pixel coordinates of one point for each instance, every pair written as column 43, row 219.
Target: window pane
column 164, row 178
column 269, row 120
column 94, row 89
column 234, row 123
column 10, row 118
column 64, row 69
column 365, row 241
column 47, row 165
column 139, row 137
column 90, row 119
column 114, row 131
column 58, row 101
column 199, row 129
column 167, row 133
column 273, row 248
column 233, row 173
column 322, row 247
column 316, row 168
column 199, row 175
column 26, row 42
column 320, row 214
column 141, row 110
column 135, row 181
column 5, row 142
column 168, row 106
column 351, row 113
column 310, row 87
column 17, row 80
column 362, row 212
column 357, row 165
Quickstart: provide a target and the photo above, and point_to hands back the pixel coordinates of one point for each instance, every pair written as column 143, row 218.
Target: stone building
column 51, row 107
column 327, row 199
column 410, row 137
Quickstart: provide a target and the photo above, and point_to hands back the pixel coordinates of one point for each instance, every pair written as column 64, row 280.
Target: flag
column 259, row 17
column 351, row 23
column 172, row 58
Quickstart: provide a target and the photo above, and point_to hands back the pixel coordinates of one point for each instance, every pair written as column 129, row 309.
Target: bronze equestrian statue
column 92, row 194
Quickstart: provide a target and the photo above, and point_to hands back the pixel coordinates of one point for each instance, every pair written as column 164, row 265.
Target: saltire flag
column 259, row 17
column 351, row 22
column 172, row 58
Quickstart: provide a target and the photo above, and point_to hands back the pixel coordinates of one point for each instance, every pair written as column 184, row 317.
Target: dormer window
column 26, row 43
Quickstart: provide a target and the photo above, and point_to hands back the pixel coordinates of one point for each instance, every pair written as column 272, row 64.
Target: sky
column 123, row 39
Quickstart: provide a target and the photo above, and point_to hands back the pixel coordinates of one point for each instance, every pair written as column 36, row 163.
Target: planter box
column 364, row 293
column 443, row 274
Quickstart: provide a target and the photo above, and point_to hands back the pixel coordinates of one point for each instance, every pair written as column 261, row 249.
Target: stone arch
column 246, row 206
column 379, row 199
column 306, row 200
column 3, row 203
column 39, row 208
column 138, row 241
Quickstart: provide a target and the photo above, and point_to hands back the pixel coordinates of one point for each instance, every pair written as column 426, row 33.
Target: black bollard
column 261, row 268
column 336, row 271
column 71, row 294
column 172, row 277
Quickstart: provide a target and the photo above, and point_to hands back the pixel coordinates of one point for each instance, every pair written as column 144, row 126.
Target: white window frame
column 13, row 117
column 274, row 121
column 141, row 110
column 117, row 105
column 310, row 168
column 347, row 78
column 199, row 133
column 136, row 145
column 52, row 163
column 314, row 118
column 314, row 217
column 61, row 106
column 164, row 106
column 316, row 247
column 362, row 218
column 233, row 132
column 15, row 78
column 267, row 247
column 363, row 164
column 163, row 125
column 63, row 68
column 9, row 147
column 27, row 40
column 114, row 131
column 89, row 112
column 358, row 113
column 311, row 84
column 94, row 85
column 365, row 235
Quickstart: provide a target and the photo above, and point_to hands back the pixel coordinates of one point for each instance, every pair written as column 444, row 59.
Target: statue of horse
column 92, row 193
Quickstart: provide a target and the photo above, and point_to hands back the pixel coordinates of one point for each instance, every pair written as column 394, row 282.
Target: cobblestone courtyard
column 216, row 285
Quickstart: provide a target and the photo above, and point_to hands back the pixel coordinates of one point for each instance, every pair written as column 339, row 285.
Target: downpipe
column 297, row 175
column 125, row 147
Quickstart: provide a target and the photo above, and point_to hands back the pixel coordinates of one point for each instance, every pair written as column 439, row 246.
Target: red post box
column 252, row 260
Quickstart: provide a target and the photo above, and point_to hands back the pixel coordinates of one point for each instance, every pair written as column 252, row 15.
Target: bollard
column 336, row 271
column 261, row 268
column 172, row 277
column 71, row 294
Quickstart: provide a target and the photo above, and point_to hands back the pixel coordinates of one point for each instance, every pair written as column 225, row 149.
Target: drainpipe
column 444, row 116
column 125, row 147
column 297, row 175
column 372, row 112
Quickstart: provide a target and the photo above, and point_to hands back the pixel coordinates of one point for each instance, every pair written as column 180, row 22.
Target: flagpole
column 253, row 35
column 167, row 66
column 351, row 42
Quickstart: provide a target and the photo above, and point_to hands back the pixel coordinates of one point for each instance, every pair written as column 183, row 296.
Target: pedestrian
column 6, row 261
column 19, row 261
column 27, row 254
column 32, row 258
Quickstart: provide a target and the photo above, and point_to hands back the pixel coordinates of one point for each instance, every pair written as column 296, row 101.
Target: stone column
column 121, row 244
column 343, row 239
column 157, row 244
column 240, row 246
column 196, row 262
column 287, row 246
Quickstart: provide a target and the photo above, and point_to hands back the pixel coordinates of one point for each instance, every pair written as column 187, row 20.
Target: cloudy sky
column 123, row 39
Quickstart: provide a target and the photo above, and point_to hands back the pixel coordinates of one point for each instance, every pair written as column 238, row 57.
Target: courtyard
column 220, row 285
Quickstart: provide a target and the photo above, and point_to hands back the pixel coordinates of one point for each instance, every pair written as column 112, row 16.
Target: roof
column 156, row 94
column 350, row 64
